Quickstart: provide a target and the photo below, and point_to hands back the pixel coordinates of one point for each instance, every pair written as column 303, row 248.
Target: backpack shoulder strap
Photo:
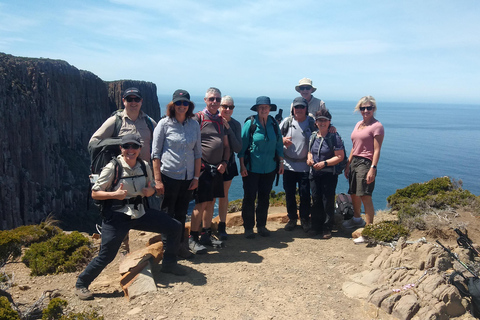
column 143, row 166
column 275, row 125
column 312, row 140
column 118, row 170
column 286, row 124
column 118, row 123
column 311, row 124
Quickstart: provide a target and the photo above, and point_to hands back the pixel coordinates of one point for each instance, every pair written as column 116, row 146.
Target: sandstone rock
column 431, row 283
column 453, row 301
column 139, row 280
column 356, row 290
column 406, row 307
column 132, row 259
column 376, row 297
column 389, row 302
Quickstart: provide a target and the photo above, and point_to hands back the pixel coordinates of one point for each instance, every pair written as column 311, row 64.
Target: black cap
column 132, row 92
column 180, row 95
column 132, row 138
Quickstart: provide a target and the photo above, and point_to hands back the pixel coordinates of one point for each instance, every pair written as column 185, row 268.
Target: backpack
column 118, row 169
column 251, row 131
column 344, row 206
column 469, row 287
column 339, row 167
column 288, row 123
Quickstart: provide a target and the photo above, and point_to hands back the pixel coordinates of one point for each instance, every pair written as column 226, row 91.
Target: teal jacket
column 262, row 147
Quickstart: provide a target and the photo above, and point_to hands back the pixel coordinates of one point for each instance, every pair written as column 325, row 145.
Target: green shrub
column 385, row 231
column 6, row 311
column 82, row 316
column 54, row 310
column 64, row 252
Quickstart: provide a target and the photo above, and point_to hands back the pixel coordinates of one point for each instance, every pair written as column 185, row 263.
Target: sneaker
column 291, row 224
column 83, row 293
column 359, row 240
column 196, row 247
column 249, row 234
column 262, row 231
column 207, row 239
column 173, row 268
column 305, row 223
column 352, row 223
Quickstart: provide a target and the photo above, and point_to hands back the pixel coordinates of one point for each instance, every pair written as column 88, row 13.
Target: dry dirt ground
column 285, row 276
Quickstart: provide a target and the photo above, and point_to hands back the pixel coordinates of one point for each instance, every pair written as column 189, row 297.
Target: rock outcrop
column 49, row 111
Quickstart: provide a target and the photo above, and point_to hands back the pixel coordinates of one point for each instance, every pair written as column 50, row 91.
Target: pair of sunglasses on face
column 130, row 146
column 224, row 106
column 369, row 108
column 136, row 99
column 182, row 102
column 217, row 99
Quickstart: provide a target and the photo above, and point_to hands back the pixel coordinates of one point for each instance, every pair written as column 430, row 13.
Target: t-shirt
column 363, row 139
column 212, row 133
column 295, row 156
column 322, row 152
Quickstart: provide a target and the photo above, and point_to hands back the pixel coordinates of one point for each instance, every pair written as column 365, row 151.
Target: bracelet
column 195, row 178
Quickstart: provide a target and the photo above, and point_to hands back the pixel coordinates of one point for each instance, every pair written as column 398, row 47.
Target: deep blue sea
column 422, row 141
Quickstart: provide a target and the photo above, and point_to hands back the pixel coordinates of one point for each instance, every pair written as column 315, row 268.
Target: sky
column 412, row 51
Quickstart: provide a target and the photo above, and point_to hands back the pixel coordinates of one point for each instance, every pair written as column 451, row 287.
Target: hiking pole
column 456, row 258
column 464, row 241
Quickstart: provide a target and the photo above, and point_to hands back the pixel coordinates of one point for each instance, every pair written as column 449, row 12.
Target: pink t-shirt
column 363, row 139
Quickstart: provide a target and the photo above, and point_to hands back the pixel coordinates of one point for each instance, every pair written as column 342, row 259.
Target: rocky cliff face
column 49, row 110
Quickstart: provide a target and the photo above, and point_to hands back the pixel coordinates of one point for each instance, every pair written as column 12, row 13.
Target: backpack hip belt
column 135, row 201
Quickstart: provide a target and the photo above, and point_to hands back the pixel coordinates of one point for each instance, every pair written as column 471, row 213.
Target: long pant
column 290, row 181
column 253, row 184
column 116, row 225
column 323, row 195
column 176, row 200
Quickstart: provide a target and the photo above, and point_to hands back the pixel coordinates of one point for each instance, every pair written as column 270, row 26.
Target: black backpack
column 469, row 287
column 339, row 167
column 344, row 206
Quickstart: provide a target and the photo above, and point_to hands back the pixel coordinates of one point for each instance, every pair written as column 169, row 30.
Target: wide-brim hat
column 132, row 138
column 263, row 100
column 305, row 82
column 132, row 92
column 180, row 95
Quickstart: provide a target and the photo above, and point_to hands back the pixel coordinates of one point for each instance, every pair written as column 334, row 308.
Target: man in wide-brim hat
column 305, row 88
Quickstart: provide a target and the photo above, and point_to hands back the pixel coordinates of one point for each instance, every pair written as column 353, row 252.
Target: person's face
column 129, row 152
column 226, row 109
column 299, row 111
column 181, row 107
column 132, row 103
column 212, row 101
column 367, row 114
column 322, row 123
column 263, row 110
column 306, row 91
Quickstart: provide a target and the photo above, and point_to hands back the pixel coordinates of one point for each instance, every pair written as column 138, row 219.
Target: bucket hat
column 263, row 100
column 305, row 82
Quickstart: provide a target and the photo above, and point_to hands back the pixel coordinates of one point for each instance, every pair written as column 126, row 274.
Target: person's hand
column 221, row 167
column 319, row 165
column 243, row 171
column 347, row 171
column 310, row 162
column 193, row 185
column 225, row 123
column 287, row 141
column 280, row 168
column 371, row 175
column 120, row 193
column 148, row 191
column 159, row 187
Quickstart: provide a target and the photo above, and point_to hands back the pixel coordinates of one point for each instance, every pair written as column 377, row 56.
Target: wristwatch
column 374, row 167
column 325, row 163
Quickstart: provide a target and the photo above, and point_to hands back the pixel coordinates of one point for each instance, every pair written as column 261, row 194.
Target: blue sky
column 413, row 51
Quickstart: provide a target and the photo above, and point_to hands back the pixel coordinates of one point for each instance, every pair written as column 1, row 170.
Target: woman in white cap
column 261, row 158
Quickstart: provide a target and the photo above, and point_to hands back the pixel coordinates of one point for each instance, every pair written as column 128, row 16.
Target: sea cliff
column 49, row 111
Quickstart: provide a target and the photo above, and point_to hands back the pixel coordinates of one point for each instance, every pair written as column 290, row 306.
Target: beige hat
column 305, row 82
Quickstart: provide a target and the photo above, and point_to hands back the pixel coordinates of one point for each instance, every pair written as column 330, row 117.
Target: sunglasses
column 299, row 107
column 366, row 108
column 224, row 106
column 217, row 99
column 184, row 102
column 302, row 88
column 136, row 99
column 127, row 146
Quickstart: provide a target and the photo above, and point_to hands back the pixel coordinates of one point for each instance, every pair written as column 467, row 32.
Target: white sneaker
column 351, row 223
column 359, row 240
column 196, row 247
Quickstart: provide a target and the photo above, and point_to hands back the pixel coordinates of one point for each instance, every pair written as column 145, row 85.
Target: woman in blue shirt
column 177, row 154
column 262, row 150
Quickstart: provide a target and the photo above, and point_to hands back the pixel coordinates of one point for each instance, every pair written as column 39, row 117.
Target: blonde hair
column 364, row 100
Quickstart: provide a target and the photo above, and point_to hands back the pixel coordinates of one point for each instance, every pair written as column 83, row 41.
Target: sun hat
column 180, row 95
column 263, row 100
column 305, row 82
column 323, row 114
column 132, row 138
column 132, row 92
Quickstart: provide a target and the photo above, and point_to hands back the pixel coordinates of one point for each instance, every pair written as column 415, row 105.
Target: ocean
column 422, row 141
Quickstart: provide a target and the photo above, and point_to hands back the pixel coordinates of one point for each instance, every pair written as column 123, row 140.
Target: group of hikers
column 189, row 155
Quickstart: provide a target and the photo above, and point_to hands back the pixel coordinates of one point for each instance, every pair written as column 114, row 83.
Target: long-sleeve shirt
column 177, row 145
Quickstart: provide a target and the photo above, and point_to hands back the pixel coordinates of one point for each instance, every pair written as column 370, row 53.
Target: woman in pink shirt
column 361, row 169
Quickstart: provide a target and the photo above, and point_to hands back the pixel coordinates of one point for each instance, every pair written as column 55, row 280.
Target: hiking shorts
column 210, row 185
column 232, row 171
column 357, row 179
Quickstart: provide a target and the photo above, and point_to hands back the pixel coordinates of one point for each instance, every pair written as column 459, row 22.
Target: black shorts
column 232, row 171
column 210, row 185
column 357, row 179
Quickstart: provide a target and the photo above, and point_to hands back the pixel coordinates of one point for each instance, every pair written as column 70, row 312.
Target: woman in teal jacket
column 261, row 158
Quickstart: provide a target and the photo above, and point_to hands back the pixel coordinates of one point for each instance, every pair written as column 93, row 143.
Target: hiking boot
column 291, row 224
column 173, row 268
column 207, row 239
column 196, row 247
column 222, row 233
column 263, row 232
column 305, row 223
column 183, row 251
column 354, row 223
column 83, row 293
column 249, row 234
